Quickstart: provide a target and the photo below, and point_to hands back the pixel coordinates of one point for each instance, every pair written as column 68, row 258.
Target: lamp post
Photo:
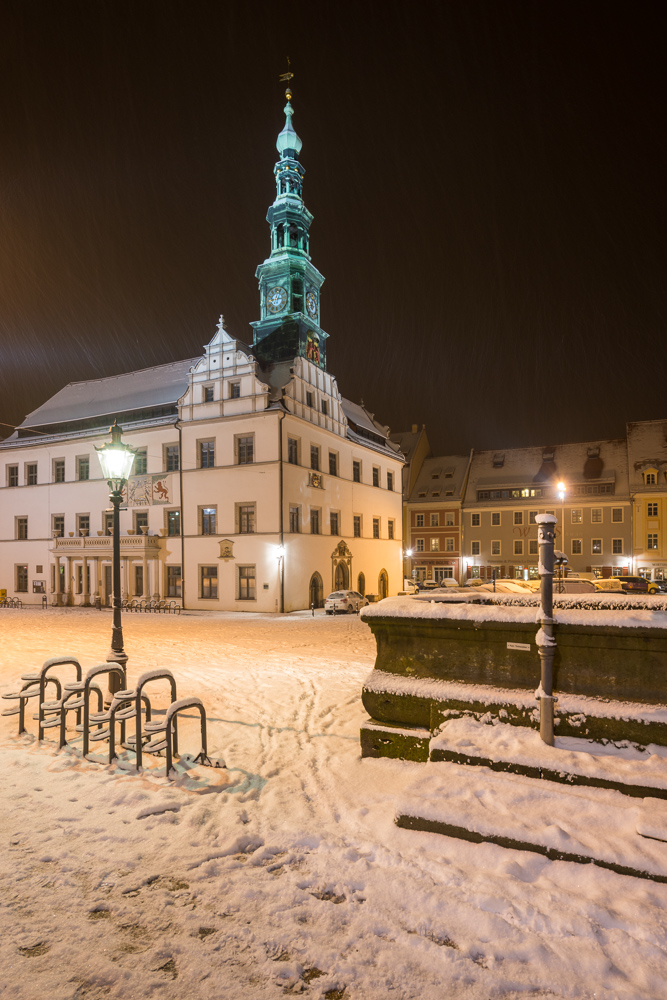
column 407, row 555
column 116, row 460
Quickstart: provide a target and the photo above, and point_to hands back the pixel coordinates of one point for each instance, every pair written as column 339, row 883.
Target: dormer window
column 499, row 460
column 650, row 478
column 594, row 452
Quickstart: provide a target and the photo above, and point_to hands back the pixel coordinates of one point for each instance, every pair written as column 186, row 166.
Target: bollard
column 546, row 644
column 312, row 608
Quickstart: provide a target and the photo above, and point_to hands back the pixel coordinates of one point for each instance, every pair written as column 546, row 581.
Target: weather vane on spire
column 286, row 77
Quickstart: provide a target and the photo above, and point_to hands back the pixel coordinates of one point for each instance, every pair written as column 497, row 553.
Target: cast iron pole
column 546, row 644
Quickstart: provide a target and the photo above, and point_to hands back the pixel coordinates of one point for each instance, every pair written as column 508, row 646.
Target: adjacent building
column 507, row 489
column 256, row 485
column 647, row 462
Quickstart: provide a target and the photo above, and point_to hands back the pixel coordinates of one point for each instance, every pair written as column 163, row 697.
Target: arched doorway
column 383, row 584
column 342, row 577
column 361, row 584
column 316, row 591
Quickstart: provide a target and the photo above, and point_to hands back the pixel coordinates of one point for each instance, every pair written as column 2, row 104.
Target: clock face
column 311, row 304
column 276, row 299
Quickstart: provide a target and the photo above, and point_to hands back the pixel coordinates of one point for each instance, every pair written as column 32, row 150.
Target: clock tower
column 289, row 284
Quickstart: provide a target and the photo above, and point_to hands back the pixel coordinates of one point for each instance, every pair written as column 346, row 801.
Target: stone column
column 96, row 577
column 146, row 582
column 86, row 588
column 157, row 583
column 56, row 582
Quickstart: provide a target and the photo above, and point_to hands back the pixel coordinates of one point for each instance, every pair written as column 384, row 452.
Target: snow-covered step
column 583, row 825
column 625, row 767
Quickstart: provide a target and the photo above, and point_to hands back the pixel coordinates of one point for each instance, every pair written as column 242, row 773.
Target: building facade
column 507, row 489
column 433, row 514
column 647, row 463
column 256, row 486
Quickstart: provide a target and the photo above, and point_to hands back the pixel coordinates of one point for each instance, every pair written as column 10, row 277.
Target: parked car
column 576, row 586
column 633, row 584
column 657, row 586
column 344, row 602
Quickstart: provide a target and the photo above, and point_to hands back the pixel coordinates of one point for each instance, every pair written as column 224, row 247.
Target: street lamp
column 116, row 460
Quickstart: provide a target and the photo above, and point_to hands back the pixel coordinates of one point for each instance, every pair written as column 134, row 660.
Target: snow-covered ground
column 295, row 878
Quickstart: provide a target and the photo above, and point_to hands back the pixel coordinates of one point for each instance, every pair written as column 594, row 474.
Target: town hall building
column 256, row 484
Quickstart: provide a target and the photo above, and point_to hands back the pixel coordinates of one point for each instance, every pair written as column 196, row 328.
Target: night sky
column 487, row 181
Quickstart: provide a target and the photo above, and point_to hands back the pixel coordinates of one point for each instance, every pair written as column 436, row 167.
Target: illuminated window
column 207, row 520
column 596, row 546
column 209, row 582
column 246, row 583
column 435, row 545
column 596, row 515
column 652, row 542
column 649, row 478
column 576, row 515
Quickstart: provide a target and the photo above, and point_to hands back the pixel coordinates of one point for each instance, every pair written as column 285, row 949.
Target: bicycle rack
column 30, row 689
column 136, row 694
column 57, row 706
column 165, row 742
column 122, row 709
column 84, row 686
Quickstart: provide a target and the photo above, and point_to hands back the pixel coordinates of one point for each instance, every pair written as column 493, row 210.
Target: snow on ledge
column 408, row 607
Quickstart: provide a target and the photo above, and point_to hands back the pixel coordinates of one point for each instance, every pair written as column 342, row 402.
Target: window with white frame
column 449, row 544
column 21, row 528
column 12, row 475
column 652, row 540
column 31, row 474
column 532, row 547
column 59, row 470
column 596, row 546
column 83, row 467
column 518, row 517
column 518, row 547
column 475, row 548
column 419, row 521
column 419, row 544
column 532, row 514
column 435, row 545
column 649, row 478
column 596, row 515
column 58, row 525
column 576, row 544
column 141, row 521
column 173, row 581
column 617, row 515
column 495, row 519
column 82, row 524
column 617, row 546
column 495, row 547
column 576, row 515
column 435, row 520
column 475, row 520
column 449, row 519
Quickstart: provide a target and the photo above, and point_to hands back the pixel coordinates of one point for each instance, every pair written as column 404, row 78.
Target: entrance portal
column 383, row 584
column 342, row 577
column 316, row 591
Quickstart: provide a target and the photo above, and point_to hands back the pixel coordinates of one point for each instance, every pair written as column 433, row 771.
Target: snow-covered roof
column 579, row 464
column 407, row 441
column 441, row 478
column 647, row 448
column 364, row 428
column 144, row 389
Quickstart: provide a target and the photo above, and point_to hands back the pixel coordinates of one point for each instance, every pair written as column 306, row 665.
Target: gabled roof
column 145, row 389
column 407, row 441
column 440, row 479
column 577, row 464
column 647, row 448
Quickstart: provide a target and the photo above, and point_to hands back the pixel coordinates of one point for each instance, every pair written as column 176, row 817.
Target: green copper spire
column 289, row 284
